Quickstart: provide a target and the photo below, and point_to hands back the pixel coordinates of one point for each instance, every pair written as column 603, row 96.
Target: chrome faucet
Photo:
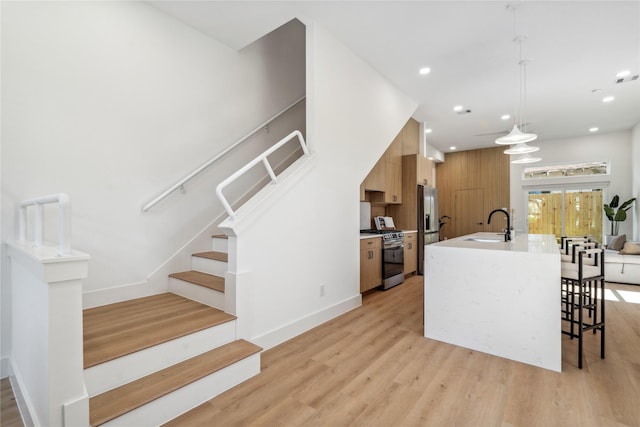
column 507, row 233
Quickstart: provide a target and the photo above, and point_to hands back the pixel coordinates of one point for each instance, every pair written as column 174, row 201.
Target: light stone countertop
column 369, row 236
column 532, row 243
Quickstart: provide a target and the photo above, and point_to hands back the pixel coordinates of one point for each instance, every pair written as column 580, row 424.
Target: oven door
column 393, row 260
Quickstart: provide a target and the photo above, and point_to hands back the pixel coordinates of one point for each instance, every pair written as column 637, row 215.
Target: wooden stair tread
column 203, row 279
column 218, row 256
column 220, row 236
column 113, row 403
column 115, row 330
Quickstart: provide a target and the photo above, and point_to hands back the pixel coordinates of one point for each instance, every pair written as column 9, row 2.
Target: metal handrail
column 180, row 184
column 261, row 158
column 64, row 221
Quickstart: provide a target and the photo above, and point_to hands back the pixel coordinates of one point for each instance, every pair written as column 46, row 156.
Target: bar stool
column 572, row 247
column 580, row 285
column 564, row 240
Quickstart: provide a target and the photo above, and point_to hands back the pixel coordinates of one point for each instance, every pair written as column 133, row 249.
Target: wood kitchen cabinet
column 410, row 252
column 370, row 263
column 375, row 181
column 388, row 172
column 384, row 182
column 482, row 174
column 416, row 170
column 393, row 184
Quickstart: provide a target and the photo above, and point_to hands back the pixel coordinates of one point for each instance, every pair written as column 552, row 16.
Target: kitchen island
column 500, row 298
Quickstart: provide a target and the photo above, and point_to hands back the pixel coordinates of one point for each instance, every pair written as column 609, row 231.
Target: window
column 566, row 212
column 566, row 170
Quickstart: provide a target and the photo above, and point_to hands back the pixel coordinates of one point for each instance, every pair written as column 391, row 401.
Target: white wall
column 112, row 102
column 310, row 237
column 635, row 191
column 614, row 148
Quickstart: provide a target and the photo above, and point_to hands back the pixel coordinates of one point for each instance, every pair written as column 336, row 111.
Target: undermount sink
column 484, row 239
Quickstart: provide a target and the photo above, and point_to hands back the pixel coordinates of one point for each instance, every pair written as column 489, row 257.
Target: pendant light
column 525, row 158
column 516, row 136
column 519, row 137
column 521, row 148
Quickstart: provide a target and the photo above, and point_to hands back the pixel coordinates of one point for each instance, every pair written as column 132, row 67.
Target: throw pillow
column 631, row 248
column 617, row 242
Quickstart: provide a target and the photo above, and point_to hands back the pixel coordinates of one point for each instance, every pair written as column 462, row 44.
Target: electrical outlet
column 321, row 290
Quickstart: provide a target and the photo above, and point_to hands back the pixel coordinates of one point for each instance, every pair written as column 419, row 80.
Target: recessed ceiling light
column 458, row 108
column 608, row 99
column 428, row 130
column 624, row 73
column 594, row 129
column 452, row 148
column 424, row 70
column 505, row 116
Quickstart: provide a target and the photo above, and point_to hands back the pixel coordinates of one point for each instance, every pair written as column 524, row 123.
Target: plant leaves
column 609, row 212
column 615, row 201
column 621, row 215
column 627, row 205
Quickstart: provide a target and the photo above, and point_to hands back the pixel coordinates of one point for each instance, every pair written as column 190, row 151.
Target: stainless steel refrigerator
column 428, row 222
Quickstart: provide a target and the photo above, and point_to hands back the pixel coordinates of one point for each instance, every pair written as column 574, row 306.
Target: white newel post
column 47, row 350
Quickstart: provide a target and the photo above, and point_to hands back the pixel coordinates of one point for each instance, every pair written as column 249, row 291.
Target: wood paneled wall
column 486, row 170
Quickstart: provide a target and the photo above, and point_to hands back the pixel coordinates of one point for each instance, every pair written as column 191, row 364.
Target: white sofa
column 621, row 268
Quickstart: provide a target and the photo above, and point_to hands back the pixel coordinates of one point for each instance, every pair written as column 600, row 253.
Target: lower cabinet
column 410, row 252
column 370, row 263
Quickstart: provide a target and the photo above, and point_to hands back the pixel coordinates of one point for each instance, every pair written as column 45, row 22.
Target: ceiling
column 575, row 49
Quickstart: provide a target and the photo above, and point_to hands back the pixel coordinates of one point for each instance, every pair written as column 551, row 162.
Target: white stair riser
column 220, row 245
column 182, row 400
column 209, row 266
column 203, row 295
column 114, row 373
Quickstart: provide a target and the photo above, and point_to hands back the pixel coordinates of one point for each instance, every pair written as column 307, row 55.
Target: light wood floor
column 9, row 413
column 373, row 367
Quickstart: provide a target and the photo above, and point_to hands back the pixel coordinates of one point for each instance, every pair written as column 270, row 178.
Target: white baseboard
column 27, row 411
column 293, row 329
column 121, row 293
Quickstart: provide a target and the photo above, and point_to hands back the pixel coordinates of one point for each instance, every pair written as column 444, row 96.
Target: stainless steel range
column 392, row 257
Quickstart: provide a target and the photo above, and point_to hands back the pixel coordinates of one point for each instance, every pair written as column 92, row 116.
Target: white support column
column 47, row 342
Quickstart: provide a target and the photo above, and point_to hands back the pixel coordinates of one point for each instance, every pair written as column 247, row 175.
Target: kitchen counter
column 501, row 298
column 372, row 235
column 531, row 243
column 369, row 236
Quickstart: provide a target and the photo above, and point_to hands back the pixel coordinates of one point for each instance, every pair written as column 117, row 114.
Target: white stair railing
column 265, row 161
column 180, row 184
column 64, row 217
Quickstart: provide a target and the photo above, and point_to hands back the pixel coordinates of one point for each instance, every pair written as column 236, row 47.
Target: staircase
column 151, row 359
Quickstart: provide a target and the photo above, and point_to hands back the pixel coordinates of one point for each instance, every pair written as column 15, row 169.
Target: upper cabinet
column 384, row 182
column 411, row 138
column 375, row 181
column 416, row 170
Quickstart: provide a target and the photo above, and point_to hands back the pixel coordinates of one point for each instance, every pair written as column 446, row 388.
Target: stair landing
column 119, row 329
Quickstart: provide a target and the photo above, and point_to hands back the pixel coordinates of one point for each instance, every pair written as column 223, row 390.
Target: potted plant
column 619, row 215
